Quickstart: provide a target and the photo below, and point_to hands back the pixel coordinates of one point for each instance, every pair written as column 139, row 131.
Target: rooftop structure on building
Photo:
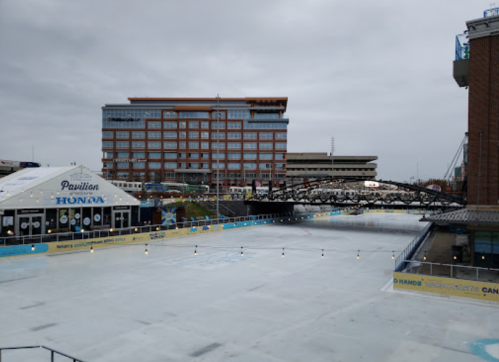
column 189, row 139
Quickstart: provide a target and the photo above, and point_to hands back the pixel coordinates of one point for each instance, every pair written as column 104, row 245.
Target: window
column 205, row 125
column 205, row 165
column 279, row 166
column 214, row 155
column 234, row 145
column 153, row 144
column 250, row 145
column 280, row 145
column 169, row 114
column 250, row 166
column 137, row 144
column 193, row 124
column 123, row 154
column 265, row 156
column 122, row 174
column 182, row 155
column 138, row 135
column 181, row 145
column 194, row 165
column 281, row 136
column 170, row 134
column 154, row 124
column 216, row 145
column 265, row 145
column 108, row 165
column 122, row 144
column 220, row 125
column 138, row 165
column 234, row 135
column 279, row 175
column 193, row 134
column 214, row 135
column 109, row 155
column 217, row 115
column 279, row 156
column 249, row 156
column 193, row 114
column 205, row 156
column 107, row 144
column 214, row 165
column 122, row 165
column 155, row 165
column 250, row 135
column 233, row 166
column 182, row 165
column 265, row 166
column 182, row 135
column 170, row 175
column 139, row 174
column 138, row 154
column 170, row 165
column 266, row 175
column 234, row 156
column 205, row 145
column 170, row 155
column 170, row 145
column 238, row 113
column 266, row 116
column 107, row 134
column 251, row 175
column 194, row 155
column 234, row 125
column 265, row 136
column 154, row 155
column 205, row 135
column 121, row 134
column 170, row 124
column 154, row 134
column 182, row 124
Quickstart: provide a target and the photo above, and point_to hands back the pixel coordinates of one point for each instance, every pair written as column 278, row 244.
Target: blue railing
column 462, row 47
column 491, row 12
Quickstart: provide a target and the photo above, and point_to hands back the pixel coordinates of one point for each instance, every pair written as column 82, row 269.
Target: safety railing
column 53, row 352
column 408, row 252
column 452, row 271
column 110, row 232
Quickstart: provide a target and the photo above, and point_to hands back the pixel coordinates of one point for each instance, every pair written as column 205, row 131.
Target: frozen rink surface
column 119, row 304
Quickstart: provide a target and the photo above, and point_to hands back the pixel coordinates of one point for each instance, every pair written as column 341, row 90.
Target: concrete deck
column 118, row 304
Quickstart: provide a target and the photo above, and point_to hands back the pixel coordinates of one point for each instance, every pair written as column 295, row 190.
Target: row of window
column 194, row 177
column 196, row 134
column 196, row 145
column 197, row 155
column 195, row 165
column 112, row 122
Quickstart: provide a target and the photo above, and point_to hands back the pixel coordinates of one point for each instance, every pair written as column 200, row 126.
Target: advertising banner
column 168, row 216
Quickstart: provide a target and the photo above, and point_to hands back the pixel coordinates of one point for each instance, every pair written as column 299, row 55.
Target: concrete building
column 187, row 139
column 303, row 166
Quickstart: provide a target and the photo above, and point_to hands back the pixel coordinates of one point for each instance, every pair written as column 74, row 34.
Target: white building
column 62, row 199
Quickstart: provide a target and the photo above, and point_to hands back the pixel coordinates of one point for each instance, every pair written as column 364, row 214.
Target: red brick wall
column 483, row 116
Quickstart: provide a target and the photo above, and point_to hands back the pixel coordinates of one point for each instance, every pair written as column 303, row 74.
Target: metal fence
column 92, row 234
column 452, row 271
column 53, row 352
column 401, row 260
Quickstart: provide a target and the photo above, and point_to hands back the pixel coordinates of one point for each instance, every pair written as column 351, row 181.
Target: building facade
column 189, row 139
column 309, row 166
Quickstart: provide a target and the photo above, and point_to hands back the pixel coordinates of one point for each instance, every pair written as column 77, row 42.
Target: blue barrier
column 16, row 250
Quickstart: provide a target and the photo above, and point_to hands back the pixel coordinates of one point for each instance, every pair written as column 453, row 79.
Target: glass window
column 138, row 165
column 182, row 135
column 139, row 154
column 205, row 124
column 170, row 155
column 220, row 125
column 122, row 165
column 205, row 135
column 250, row 166
column 265, row 156
column 170, row 175
column 154, row 134
column 138, row 135
column 205, row 145
column 153, row 144
column 281, row 136
column 234, row 125
column 214, row 155
column 123, row 154
column 194, row 165
column 194, row 155
column 194, row 114
column 214, row 165
column 121, row 175
column 234, row 145
column 279, row 156
column 249, row 156
column 280, row 145
column 265, row 145
column 279, row 166
column 218, row 145
column 107, row 144
column 154, row 165
column 182, row 145
column 122, row 134
column 169, row 114
column 182, row 165
column 238, row 114
column 220, row 135
column 265, row 166
column 266, row 115
column 193, row 134
column 182, row 155
column 170, row 165
column 217, row 115
column 107, row 134
column 170, row 134
column 250, row 145
column 170, row 124
column 205, row 165
column 234, row 166
column 266, row 136
column 138, row 144
column 193, row 124
column 154, row 124
column 250, row 135
column 205, row 156
column 182, row 124
column 234, row 135
column 108, row 165
column 154, row 154
column 109, row 155
column 170, row 144
column 122, row 144
column 234, row 156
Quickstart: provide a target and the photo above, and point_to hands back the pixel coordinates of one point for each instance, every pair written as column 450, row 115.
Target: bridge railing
column 53, row 352
column 409, row 251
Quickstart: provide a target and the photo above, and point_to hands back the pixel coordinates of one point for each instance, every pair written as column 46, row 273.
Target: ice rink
column 118, row 304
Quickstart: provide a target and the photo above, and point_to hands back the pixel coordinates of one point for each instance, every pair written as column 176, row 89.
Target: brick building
column 186, row 139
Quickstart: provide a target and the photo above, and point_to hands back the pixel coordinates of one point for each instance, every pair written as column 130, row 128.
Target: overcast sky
column 376, row 75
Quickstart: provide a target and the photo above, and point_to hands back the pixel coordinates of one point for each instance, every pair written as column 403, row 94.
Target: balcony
column 462, row 63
